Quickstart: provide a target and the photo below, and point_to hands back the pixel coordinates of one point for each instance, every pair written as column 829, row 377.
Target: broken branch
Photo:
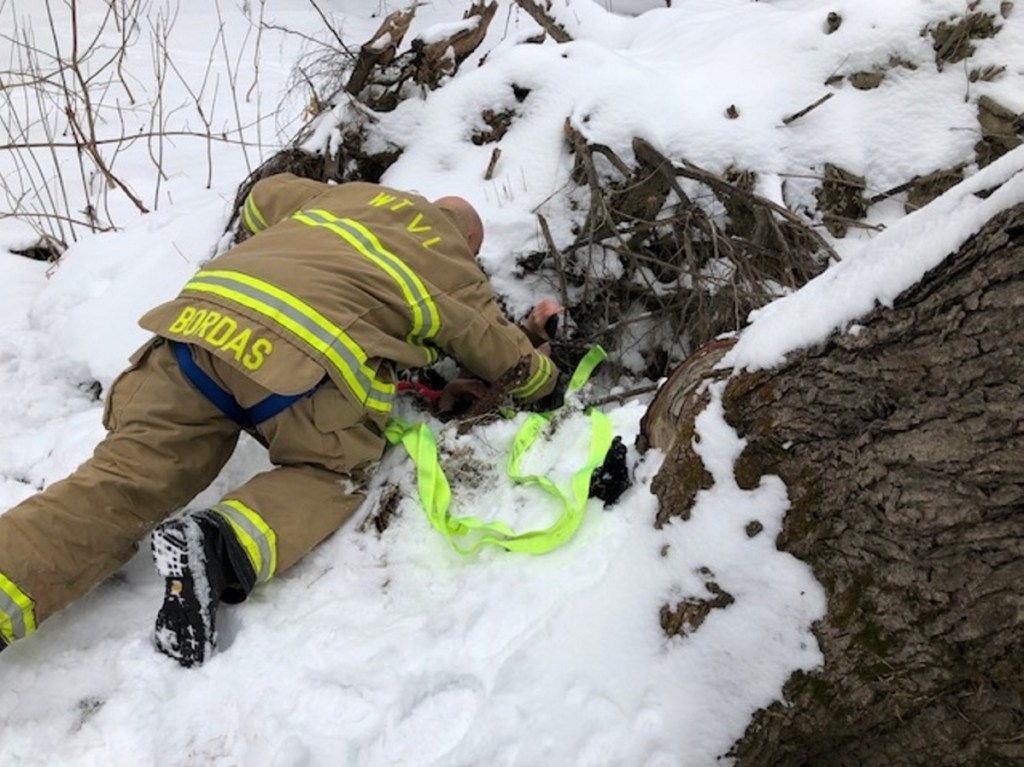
column 548, row 24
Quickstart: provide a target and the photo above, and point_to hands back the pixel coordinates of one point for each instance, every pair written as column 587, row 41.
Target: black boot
column 190, row 552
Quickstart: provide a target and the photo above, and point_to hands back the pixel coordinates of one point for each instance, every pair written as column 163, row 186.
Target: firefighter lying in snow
column 295, row 335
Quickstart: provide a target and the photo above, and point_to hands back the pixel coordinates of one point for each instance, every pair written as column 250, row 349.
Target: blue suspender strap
column 274, row 404
column 207, row 386
column 257, row 414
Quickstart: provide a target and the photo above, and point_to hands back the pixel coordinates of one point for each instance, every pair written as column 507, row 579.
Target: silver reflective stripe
column 14, row 613
column 306, row 323
column 253, row 217
column 537, row 381
column 426, row 321
column 430, row 322
column 264, row 567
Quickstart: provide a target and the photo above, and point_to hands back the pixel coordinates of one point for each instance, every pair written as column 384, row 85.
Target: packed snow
column 390, row 648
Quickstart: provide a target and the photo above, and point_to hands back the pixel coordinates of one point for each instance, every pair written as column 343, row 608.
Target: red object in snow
column 424, row 391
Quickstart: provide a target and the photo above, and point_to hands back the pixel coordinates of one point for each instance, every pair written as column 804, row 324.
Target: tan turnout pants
column 166, row 443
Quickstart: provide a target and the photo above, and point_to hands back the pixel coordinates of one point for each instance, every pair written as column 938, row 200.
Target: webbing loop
column 225, row 402
column 435, row 492
column 594, row 357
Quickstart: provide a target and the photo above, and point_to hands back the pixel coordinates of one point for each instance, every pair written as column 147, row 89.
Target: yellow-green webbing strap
column 585, row 369
column 435, row 493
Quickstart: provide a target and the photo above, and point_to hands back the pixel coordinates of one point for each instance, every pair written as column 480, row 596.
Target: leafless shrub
column 349, row 88
column 658, row 268
column 666, row 255
column 71, row 109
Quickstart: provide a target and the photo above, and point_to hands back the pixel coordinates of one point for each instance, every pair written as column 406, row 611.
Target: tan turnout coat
column 351, row 280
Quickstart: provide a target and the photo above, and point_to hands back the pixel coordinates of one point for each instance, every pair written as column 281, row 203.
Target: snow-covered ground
column 391, row 649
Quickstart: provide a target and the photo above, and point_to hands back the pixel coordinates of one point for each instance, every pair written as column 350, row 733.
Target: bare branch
column 543, row 18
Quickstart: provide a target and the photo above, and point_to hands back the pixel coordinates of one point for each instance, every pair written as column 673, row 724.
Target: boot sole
column 184, row 626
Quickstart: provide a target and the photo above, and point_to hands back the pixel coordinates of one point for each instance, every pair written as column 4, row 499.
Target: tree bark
column 902, row 448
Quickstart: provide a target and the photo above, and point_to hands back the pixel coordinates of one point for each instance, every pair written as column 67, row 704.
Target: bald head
column 466, row 218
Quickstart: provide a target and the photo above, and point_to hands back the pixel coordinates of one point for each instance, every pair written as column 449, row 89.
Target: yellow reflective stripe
column 426, row 319
column 537, row 380
column 306, row 323
column 256, row 536
column 17, row 612
column 253, row 218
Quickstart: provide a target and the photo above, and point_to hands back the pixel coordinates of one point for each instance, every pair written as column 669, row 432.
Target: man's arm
column 475, row 332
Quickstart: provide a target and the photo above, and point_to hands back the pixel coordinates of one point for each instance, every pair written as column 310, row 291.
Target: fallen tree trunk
column 902, row 448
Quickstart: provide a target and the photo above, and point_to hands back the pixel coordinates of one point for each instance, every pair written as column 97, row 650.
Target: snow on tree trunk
column 902, row 447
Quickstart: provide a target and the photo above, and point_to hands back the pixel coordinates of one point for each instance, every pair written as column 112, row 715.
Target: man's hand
column 537, row 320
column 459, row 394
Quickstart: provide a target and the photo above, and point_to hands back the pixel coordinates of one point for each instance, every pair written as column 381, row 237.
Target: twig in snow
column 790, row 119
